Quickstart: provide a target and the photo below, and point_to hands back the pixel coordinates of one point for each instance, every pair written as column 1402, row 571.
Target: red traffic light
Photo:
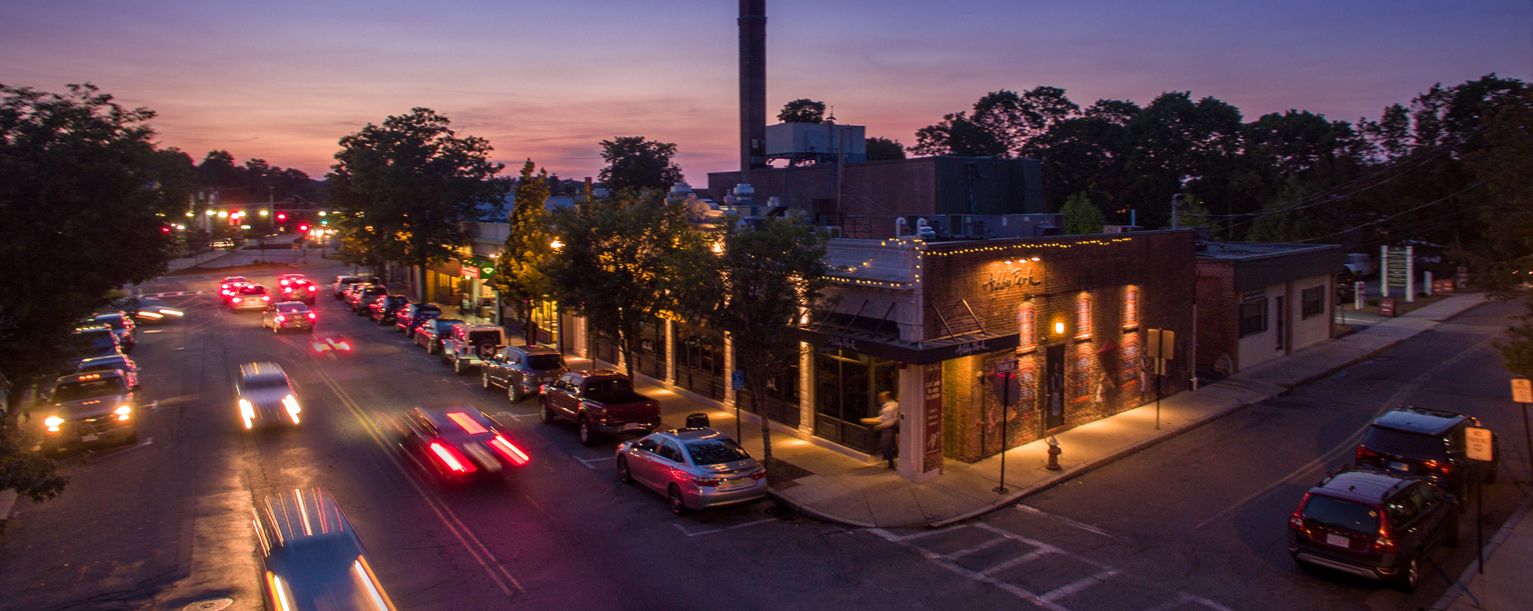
column 164, row 230
column 281, row 216
column 303, row 227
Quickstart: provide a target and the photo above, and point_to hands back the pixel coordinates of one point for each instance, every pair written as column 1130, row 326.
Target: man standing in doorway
column 887, row 424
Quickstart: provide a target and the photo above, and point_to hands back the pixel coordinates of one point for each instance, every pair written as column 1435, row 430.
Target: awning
column 915, row 353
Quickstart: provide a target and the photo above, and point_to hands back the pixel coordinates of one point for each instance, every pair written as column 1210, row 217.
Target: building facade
column 1258, row 302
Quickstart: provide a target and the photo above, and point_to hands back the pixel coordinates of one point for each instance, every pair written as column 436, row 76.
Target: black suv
column 1427, row 443
column 523, row 370
column 361, row 298
column 1374, row 524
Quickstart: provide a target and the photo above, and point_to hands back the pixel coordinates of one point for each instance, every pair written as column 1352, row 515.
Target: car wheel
column 623, row 475
column 513, row 391
column 1410, row 575
column 587, row 433
column 545, row 414
column 484, row 379
column 678, row 505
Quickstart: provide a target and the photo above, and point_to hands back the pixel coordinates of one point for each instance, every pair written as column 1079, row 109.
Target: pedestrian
column 887, row 424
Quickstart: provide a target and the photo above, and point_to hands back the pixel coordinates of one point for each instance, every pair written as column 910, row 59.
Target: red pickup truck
column 600, row 402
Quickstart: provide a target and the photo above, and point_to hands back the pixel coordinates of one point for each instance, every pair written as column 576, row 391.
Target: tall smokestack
column 752, row 84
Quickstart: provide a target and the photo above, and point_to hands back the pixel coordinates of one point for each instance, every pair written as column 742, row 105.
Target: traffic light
column 281, row 216
column 303, row 228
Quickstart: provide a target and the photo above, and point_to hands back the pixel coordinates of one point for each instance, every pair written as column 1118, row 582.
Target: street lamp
column 556, row 244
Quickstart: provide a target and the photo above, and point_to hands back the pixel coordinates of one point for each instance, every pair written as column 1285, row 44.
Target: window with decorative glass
column 1080, row 378
column 1083, row 318
column 1129, row 371
column 1027, row 329
column 1131, row 309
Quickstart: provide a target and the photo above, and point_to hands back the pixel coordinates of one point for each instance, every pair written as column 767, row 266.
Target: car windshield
column 102, row 344
column 292, row 307
column 544, row 361
column 1338, row 513
column 609, row 386
column 105, row 364
column 263, row 382
column 86, row 389
column 715, row 451
column 1400, row 442
column 483, row 336
column 252, row 290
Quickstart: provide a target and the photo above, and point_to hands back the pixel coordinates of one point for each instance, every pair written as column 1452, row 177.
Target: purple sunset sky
column 284, row 80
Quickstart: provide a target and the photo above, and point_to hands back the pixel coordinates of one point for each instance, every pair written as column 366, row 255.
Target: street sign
column 1005, row 366
column 1522, row 390
column 737, row 380
column 1479, row 443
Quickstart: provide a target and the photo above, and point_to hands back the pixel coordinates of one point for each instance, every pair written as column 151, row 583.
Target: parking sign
column 1479, row 443
column 1522, row 390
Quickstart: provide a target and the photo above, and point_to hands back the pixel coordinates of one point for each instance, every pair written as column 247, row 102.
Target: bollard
column 1054, row 452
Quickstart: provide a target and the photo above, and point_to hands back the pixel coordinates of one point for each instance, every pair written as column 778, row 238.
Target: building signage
column 1256, row 295
column 932, row 415
column 1012, row 276
column 470, row 271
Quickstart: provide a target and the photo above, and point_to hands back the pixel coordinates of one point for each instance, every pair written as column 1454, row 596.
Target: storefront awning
column 915, row 353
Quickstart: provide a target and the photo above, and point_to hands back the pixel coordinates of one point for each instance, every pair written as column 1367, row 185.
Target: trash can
column 697, row 421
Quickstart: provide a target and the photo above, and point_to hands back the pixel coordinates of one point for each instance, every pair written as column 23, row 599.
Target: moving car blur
column 455, row 444
column 265, row 396
column 311, row 556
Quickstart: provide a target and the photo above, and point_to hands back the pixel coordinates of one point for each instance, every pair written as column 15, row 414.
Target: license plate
column 1399, row 466
column 1338, row 540
column 633, row 426
column 88, row 437
column 731, row 484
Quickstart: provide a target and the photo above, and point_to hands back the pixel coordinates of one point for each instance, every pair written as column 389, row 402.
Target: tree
column 518, row 271
column 81, row 186
column 959, row 136
column 884, row 149
column 802, row 110
column 755, row 289
column 622, row 263
column 410, row 184
column 636, row 163
column 1082, row 216
column 1015, row 119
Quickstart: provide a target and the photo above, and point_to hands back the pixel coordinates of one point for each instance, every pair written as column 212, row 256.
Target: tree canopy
column 802, row 110
column 406, row 187
column 884, row 149
column 518, row 271
column 638, row 164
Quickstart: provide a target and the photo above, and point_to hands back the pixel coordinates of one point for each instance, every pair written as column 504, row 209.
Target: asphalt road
column 1197, row 522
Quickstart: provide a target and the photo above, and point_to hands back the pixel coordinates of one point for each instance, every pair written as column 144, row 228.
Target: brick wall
column 1218, row 313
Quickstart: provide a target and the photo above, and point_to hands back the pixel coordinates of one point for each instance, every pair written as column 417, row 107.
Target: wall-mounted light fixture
column 1059, row 328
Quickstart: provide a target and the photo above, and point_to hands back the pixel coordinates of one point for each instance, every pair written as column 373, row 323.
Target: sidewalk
column 1505, row 583
column 841, row 489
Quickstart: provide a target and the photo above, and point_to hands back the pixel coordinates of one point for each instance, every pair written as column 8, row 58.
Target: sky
column 549, row 80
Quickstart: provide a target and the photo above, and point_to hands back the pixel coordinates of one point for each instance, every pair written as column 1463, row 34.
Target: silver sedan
column 695, row 468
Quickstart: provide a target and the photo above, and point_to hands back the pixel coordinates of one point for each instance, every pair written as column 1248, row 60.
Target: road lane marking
column 1351, row 441
column 513, row 416
column 477, row 549
column 1081, row 525
column 710, row 531
column 588, row 461
column 1077, row 585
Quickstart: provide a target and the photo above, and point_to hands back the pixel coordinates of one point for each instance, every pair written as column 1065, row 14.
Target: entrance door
column 847, row 386
column 1054, row 384
column 1282, row 322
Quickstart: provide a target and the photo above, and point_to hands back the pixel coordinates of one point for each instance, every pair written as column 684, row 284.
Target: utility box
column 816, row 142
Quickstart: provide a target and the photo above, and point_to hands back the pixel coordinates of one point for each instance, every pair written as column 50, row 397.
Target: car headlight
column 53, row 421
column 292, row 404
column 170, row 312
column 123, row 410
column 246, row 409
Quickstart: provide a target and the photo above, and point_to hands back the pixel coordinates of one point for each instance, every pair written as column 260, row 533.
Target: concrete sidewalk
column 846, row 490
column 1508, row 563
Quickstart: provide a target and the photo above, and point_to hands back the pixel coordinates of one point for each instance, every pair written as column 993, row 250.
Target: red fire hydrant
column 1054, row 452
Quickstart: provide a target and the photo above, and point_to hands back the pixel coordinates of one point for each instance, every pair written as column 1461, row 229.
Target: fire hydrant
column 1054, row 452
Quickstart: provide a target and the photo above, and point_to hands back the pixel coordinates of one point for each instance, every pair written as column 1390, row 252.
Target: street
column 1197, row 522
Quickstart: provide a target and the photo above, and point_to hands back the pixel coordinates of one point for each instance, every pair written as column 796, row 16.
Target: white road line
column 976, row 549
column 1182, row 598
column 1023, row 559
column 1081, row 525
column 154, row 330
column 1077, row 585
column 587, row 461
column 689, row 533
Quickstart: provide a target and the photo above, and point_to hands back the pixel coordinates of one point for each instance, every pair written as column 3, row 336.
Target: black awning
column 915, row 353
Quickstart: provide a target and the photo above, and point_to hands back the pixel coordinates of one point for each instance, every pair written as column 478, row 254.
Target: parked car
column 361, row 298
column 265, row 396
column 249, row 297
column 1374, row 524
column 413, row 315
column 456, row 443
column 429, row 334
column 522, row 370
column 599, row 402
column 695, row 468
column 385, row 309
column 1428, row 443
column 288, row 315
column 122, row 325
column 350, row 290
column 311, row 556
column 300, row 290
column 291, row 278
column 94, row 341
column 229, row 285
column 469, row 345
column 342, row 283
column 90, row 408
column 116, row 362
column 147, row 310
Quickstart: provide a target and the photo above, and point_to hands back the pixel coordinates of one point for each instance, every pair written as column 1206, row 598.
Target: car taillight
column 1386, row 540
column 311, row 316
column 237, row 300
column 1364, row 453
column 707, row 481
column 265, row 298
column 511, row 452
column 343, row 346
column 452, row 458
column 1296, row 521
column 1444, row 468
column 281, row 318
column 758, row 474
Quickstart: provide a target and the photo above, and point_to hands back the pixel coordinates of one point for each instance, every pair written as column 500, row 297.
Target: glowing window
column 1083, row 318
column 1131, row 309
column 1027, row 327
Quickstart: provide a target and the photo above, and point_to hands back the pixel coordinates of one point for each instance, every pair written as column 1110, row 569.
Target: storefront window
column 1080, row 377
column 1131, row 309
column 1082, row 318
column 847, row 385
column 1129, row 371
column 1027, row 329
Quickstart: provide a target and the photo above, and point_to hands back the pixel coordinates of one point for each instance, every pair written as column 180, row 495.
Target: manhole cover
column 211, row 604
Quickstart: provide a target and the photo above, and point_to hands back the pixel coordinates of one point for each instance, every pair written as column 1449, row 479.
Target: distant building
column 1258, row 301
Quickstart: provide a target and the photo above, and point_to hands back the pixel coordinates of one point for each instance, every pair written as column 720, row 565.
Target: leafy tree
column 1015, row 119
column 636, row 163
column 884, row 149
column 622, row 261
column 959, row 136
column 410, row 184
column 755, row 289
column 802, row 110
column 81, row 185
column 518, row 271
column 1502, row 260
column 1082, row 216
column 1086, row 153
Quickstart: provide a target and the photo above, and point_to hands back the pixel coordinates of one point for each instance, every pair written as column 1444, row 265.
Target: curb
column 813, row 513
column 1461, row 587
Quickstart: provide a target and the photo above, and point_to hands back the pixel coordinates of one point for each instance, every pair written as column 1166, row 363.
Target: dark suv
column 1373, row 524
column 364, row 297
column 523, row 370
column 1428, row 443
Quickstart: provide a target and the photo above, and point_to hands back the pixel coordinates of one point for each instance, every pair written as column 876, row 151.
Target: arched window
column 1082, row 318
